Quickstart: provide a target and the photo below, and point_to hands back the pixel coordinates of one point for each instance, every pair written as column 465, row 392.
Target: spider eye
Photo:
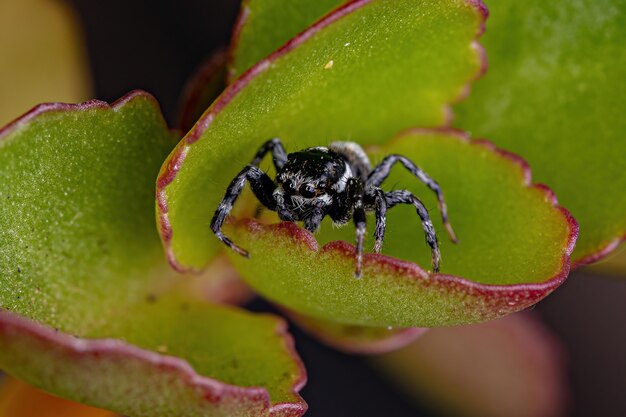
column 288, row 186
column 307, row 191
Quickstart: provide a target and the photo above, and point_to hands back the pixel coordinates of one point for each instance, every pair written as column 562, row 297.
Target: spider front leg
column 262, row 186
column 381, row 172
column 380, row 211
column 355, row 197
column 279, row 156
column 405, row 197
column 360, row 224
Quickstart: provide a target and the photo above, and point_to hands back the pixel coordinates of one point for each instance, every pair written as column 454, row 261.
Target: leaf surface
column 514, row 245
column 555, row 94
column 264, row 25
column 89, row 309
column 366, row 71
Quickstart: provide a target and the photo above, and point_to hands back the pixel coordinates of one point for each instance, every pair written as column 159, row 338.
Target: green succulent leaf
column 513, row 250
column 365, row 72
column 264, row 25
column 89, row 309
column 555, row 94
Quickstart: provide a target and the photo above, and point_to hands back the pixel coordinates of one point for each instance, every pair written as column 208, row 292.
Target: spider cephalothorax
column 337, row 181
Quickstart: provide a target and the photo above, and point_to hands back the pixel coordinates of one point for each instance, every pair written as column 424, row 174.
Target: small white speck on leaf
column 329, row 64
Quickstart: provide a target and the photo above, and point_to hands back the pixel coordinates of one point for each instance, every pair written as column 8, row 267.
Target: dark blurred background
column 157, row 45
column 151, row 45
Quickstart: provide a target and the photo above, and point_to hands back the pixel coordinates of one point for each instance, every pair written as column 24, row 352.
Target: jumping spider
column 337, row 181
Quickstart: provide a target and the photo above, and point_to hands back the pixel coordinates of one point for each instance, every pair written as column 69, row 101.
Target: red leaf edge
column 44, row 108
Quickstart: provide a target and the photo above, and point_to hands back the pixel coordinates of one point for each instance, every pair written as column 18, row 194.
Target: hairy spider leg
column 382, row 170
column 279, row 156
column 380, row 210
column 406, row 197
column 356, row 197
column 262, row 186
column 360, row 224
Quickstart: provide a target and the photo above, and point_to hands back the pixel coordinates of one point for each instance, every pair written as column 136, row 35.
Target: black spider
column 337, row 181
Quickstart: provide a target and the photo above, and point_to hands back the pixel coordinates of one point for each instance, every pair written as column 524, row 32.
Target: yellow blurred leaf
column 18, row 399
column 43, row 56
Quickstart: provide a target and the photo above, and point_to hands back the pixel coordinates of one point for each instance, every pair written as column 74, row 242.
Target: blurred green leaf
column 79, row 253
column 555, row 94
